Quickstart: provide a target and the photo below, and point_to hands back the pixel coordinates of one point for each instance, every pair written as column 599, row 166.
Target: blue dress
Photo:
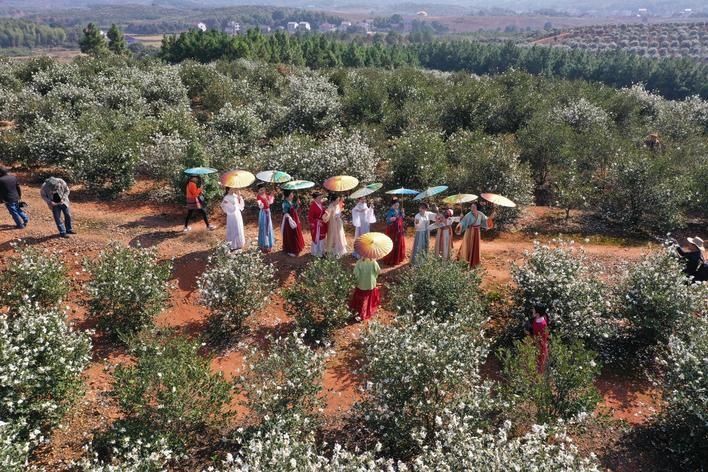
column 266, row 237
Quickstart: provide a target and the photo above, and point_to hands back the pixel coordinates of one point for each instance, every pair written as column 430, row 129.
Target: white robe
column 362, row 218
column 233, row 205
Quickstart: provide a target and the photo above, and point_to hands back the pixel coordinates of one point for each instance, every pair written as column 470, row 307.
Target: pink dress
column 539, row 329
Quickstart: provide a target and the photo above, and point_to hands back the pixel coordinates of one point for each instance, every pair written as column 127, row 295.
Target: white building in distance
column 201, row 26
column 303, row 26
column 292, row 26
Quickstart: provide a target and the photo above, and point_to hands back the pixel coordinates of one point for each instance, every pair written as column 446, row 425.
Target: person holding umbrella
column 233, row 205
column 266, row 238
column 318, row 228
column 395, row 230
column 336, row 240
column 471, row 225
column 195, row 202
column 293, row 242
column 366, row 297
column 362, row 218
column 443, row 241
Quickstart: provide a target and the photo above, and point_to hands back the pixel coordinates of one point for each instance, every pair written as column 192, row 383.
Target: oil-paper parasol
column 498, row 200
column 341, row 183
column 274, row 176
column 430, row 192
column 297, row 185
column 460, row 198
column 200, row 171
column 403, row 191
column 365, row 191
column 237, row 179
column 373, row 245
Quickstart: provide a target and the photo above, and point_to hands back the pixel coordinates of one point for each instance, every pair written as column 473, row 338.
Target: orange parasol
column 373, row 245
column 498, row 200
column 341, row 183
column 237, row 179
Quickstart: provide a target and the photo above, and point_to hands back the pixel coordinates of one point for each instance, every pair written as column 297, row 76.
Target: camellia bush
column 563, row 389
column 313, row 104
column 686, row 392
column 319, row 300
column 283, row 385
column 460, row 445
column 563, row 280
column 41, row 362
column 234, row 286
column 416, row 370
column 440, row 288
column 170, row 391
column 33, row 277
column 128, row 288
column 656, row 296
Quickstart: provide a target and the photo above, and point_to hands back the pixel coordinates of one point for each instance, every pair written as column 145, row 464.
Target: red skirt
column 398, row 253
column 365, row 302
column 293, row 242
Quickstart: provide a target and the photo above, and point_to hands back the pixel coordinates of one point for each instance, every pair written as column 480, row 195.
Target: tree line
column 672, row 78
column 26, row 34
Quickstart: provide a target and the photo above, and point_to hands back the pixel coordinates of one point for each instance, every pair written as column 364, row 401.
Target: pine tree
column 116, row 41
column 93, row 42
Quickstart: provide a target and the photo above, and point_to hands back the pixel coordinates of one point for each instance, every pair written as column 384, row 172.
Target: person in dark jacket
column 55, row 194
column 696, row 266
column 10, row 195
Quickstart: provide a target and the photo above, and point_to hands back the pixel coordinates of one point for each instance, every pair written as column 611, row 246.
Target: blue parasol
column 402, row 191
column 200, row 171
column 430, row 192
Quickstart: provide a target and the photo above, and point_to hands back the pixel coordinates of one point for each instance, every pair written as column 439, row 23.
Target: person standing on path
column 10, row 195
column 366, row 297
column 195, row 202
column 318, row 228
column 233, row 204
column 55, row 194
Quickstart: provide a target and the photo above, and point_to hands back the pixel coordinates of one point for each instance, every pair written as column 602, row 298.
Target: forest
column 26, row 34
column 672, row 78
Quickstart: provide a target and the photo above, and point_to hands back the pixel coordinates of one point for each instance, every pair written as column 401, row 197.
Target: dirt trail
column 135, row 221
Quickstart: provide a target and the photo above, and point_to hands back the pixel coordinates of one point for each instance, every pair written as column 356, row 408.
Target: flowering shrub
column 418, row 160
column 171, row 390
column 127, row 448
column 442, row 289
column 461, row 446
column 414, row 372
column 319, row 300
column 284, row 384
column 278, row 448
column 41, row 361
column 128, row 287
column 55, row 142
column 339, row 153
column 581, row 115
column 313, row 104
column 33, row 277
column 562, row 280
column 242, row 123
column 563, row 389
column 234, row 286
column 656, row 296
column 487, row 164
column 686, row 392
column 13, row 449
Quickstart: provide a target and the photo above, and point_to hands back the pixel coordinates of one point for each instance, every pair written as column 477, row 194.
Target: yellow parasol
column 341, row 183
column 498, row 200
column 237, row 179
column 373, row 245
column 460, row 198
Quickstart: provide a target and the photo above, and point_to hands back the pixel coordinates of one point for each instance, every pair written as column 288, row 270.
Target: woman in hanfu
column 421, row 243
column 336, row 240
column 266, row 237
column 443, row 241
column 366, row 298
column 539, row 330
column 471, row 224
column 395, row 230
column 293, row 242
column 362, row 218
column 318, row 228
column 233, row 205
